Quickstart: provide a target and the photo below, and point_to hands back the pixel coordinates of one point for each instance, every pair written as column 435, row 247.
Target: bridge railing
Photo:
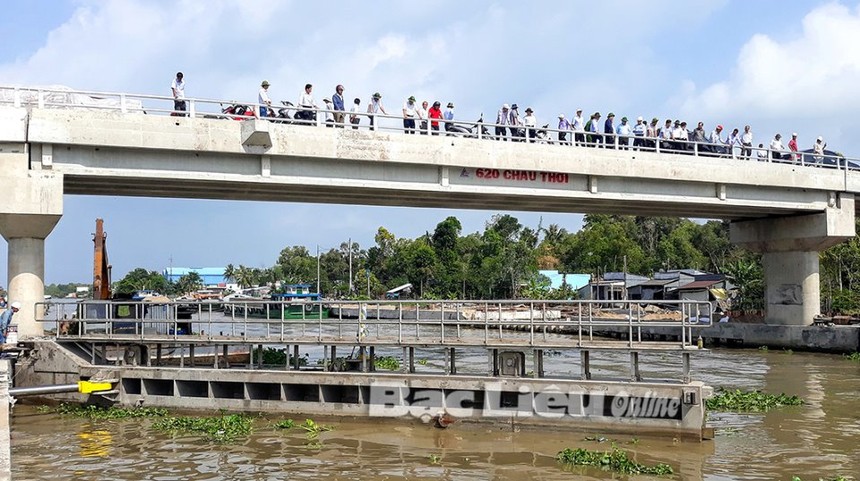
column 519, row 322
column 286, row 112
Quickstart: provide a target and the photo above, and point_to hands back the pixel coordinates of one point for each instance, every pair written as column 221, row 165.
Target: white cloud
column 813, row 75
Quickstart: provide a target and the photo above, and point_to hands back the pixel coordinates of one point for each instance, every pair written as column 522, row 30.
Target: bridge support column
column 31, row 203
column 790, row 247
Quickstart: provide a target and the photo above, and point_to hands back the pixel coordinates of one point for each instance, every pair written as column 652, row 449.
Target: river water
column 819, row 439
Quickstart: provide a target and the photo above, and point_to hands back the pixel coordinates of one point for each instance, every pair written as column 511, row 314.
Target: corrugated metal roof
column 656, row 282
column 698, row 285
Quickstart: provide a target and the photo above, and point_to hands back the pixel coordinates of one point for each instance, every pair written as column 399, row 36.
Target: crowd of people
column 577, row 130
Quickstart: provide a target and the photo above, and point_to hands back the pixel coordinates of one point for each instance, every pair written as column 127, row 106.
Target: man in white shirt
column 178, row 89
column 623, row 131
column 503, row 118
column 263, row 100
column 306, row 102
column 422, row 114
column 717, row 141
column 639, row 133
column 354, row 118
column 329, row 115
column 449, row 117
column 578, row 127
column 818, row 149
column 530, row 122
column 410, row 113
column 374, row 107
column 746, row 143
column 776, row 147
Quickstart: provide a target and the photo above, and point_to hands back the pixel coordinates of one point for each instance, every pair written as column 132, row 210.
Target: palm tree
column 230, row 273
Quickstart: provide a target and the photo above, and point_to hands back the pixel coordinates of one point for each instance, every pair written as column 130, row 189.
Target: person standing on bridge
column 6, row 319
column 434, row 114
column 530, row 122
column 639, row 133
column 717, row 141
column 503, row 119
column 449, row 117
column 337, row 100
column 746, row 143
column 263, row 99
column 423, row 114
column 578, row 127
column 563, row 127
column 374, row 107
column 609, row 128
column 410, row 113
column 623, row 132
column 178, row 89
column 651, row 134
column 306, row 102
column 354, row 118
column 734, row 139
column 776, row 147
column 792, row 146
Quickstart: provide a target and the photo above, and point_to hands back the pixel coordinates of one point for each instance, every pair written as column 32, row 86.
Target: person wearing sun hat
column 263, row 99
column 609, row 128
column 792, row 146
column 6, row 319
column 449, row 116
column 410, row 112
column 717, row 143
column 374, row 107
column 530, row 122
column 563, row 127
column 639, row 133
column 503, row 118
column 623, row 131
column 578, row 126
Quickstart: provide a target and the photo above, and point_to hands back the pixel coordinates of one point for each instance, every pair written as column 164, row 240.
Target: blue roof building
column 212, row 276
column 574, row 281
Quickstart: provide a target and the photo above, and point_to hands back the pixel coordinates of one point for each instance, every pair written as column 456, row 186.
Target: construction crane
column 101, row 267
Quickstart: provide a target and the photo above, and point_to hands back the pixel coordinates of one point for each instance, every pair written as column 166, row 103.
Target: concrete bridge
column 787, row 211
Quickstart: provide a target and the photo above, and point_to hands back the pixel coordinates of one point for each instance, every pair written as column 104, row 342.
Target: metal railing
column 531, row 323
column 286, row 113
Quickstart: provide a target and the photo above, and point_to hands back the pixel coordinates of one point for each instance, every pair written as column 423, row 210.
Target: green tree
column 189, row 282
column 141, row 279
column 296, row 265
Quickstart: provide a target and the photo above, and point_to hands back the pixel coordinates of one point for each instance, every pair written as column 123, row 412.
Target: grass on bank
column 617, row 460
column 735, row 400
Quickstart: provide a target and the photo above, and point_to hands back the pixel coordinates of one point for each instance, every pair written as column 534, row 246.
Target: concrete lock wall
column 31, row 203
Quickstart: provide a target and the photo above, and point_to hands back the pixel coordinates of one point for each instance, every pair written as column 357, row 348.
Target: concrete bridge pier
column 31, row 204
column 790, row 247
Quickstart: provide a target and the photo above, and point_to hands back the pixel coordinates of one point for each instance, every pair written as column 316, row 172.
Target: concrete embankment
column 834, row 339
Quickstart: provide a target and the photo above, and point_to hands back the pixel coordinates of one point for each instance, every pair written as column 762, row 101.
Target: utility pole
column 625, row 277
column 319, row 288
column 349, row 246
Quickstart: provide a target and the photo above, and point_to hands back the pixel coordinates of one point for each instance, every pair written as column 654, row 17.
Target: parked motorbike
column 470, row 132
column 237, row 111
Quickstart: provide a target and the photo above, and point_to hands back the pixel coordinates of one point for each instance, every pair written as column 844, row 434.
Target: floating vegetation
column 854, row 356
column 727, row 400
column 277, row 357
column 313, row 429
column 836, row 478
column 762, row 348
column 616, row 460
column 285, row 424
column 434, row 458
column 389, row 363
column 91, row 411
column 222, row 429
column 422, row 362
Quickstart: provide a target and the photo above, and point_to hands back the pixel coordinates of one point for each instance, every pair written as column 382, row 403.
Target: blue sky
column 780, row 66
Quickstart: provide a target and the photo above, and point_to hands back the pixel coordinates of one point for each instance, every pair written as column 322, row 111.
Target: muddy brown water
column 819, row 439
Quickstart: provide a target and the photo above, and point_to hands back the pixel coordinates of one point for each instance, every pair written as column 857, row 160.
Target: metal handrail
column 127, row 103
column 141, row 320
